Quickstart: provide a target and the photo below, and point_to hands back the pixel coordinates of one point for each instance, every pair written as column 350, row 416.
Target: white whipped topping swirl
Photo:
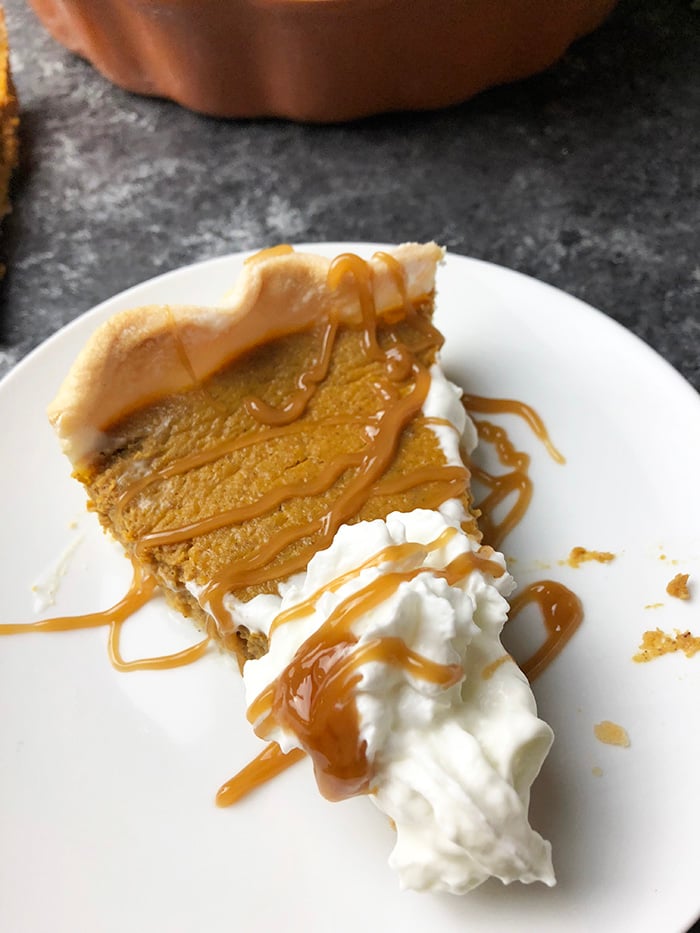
column 452, row 766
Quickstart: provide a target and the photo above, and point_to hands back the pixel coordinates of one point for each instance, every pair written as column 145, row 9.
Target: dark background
column 586, row 177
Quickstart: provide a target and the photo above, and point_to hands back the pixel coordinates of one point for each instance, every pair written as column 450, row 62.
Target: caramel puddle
column 562, row 614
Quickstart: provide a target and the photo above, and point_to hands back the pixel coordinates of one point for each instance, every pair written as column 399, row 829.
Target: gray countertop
column 586, row 177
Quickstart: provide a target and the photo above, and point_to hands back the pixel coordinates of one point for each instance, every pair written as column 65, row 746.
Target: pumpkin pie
column 287, row 467
column 224, row 446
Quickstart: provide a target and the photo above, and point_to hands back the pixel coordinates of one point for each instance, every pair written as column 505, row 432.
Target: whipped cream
column 452, row 767
column 444, row 402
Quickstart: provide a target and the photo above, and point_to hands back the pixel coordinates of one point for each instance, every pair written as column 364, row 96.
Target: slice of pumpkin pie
column 287, row 467
column 223, row 447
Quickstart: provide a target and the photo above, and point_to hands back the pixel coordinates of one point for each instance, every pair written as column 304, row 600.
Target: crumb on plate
column 580, row 555
column 678, row 587
column 657, row 643
column 609, row 733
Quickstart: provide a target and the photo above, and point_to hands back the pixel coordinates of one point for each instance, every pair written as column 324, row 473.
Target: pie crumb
column 611, row 734
column 655, row 644
column 596, row 771
column 678, row 587
column 580, row 555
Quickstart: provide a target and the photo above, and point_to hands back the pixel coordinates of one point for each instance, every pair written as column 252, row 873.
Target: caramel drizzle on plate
column 560, row 608
column 507, row 406
column 562, row 614
column 268, row 764
column 502, row 485
column 140, row 592
column 515, row 482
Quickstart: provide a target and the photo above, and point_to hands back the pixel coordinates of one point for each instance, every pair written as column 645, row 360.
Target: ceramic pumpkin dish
column 318, row 60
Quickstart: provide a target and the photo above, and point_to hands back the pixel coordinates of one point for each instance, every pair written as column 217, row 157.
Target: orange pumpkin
column 321, row 60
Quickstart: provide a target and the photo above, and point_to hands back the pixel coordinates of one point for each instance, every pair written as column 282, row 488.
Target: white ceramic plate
column 107, row 780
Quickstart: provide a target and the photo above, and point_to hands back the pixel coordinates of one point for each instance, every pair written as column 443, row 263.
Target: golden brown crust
column 144, row 354
column 9, row 121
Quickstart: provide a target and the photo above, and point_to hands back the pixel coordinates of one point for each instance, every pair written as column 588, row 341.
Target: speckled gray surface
column 586, row 177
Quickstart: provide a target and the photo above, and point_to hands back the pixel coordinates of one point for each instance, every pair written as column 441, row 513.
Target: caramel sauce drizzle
column 282, row 249
column 375, row 461
column 502, row 485
column 453, row 478
column 203, row 458
column 158, row 663
column 350, row 264
column 390, row 554
column 268, row 764
column 503, row 406
column 561, row 609
column 314, row 695
column 140, row 592
column 490, row 669
column 307, row 383
column 432, row 335
column 517, row 481
column 562, row 614
column 235, row 516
